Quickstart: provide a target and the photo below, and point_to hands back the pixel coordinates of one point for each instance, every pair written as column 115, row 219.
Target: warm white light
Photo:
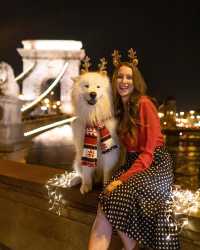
column 46, row 100
column 160, row 114
column 58, row 103
column 66, row 45
column 192, row 112
column 182, row 113
column 171, row 112
column 43, row 108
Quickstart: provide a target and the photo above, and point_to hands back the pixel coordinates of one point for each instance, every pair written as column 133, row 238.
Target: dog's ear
column 75, row 78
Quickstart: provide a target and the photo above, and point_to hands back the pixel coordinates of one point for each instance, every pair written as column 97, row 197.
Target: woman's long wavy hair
column 128, row 126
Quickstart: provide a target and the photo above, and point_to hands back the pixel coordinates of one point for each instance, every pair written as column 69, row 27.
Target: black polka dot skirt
column 139, row 207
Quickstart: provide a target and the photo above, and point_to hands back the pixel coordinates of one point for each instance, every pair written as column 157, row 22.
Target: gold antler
column 133, row 57
column 102, row 66
column 86, row 65
column 116, row 58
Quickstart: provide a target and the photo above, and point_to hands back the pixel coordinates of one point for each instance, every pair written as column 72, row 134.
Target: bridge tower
column 48, row 58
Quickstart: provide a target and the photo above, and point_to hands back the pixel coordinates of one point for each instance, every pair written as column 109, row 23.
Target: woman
column 134, row 203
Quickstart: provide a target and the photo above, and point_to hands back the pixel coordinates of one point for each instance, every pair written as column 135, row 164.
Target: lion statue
column 8, row 85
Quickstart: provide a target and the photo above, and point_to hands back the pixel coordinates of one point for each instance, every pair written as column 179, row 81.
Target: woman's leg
column 129, row 244
column 101, row 232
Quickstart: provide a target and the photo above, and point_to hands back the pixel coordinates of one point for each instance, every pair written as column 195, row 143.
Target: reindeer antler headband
column 87, row 64
column 131, row 54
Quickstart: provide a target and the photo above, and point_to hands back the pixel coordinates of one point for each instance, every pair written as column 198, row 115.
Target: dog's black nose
column 93, row 95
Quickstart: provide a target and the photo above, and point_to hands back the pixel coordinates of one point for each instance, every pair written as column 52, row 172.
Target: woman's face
column 125, row 82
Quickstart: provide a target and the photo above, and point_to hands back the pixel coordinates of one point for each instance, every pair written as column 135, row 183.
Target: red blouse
column 149, row 137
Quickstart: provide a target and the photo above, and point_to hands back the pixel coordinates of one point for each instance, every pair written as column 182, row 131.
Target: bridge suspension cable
column 49, row 126
column 47, row 91
column 24, row 73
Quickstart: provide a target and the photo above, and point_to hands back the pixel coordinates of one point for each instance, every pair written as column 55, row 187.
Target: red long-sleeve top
column 148, row 137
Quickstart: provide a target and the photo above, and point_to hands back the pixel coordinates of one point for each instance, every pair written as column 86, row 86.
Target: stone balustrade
column 28, row 224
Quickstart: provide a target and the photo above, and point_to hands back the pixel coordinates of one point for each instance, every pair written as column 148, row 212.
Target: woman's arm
column 149, row 131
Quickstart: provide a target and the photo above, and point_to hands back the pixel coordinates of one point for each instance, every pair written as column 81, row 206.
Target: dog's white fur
column 8, row 85
column 102, row 110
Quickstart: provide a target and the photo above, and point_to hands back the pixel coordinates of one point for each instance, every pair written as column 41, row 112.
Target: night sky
column 166, row 37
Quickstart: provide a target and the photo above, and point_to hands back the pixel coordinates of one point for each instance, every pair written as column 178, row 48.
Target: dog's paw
column 74, row 181
column 85, row 188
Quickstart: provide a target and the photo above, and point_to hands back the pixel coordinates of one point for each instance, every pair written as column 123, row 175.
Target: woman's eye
column 98, row 86
column 86, row 85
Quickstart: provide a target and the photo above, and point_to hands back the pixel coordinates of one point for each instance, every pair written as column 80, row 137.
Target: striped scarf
column 89, row 156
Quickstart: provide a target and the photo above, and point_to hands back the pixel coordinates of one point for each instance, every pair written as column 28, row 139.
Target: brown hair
column 140, row 88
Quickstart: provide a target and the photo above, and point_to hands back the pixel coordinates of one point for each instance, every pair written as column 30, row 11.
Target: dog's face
column 92, row 97
column 91, row 87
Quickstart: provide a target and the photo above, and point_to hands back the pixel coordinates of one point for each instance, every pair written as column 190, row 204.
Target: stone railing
column 27, row 223
column 25, row 219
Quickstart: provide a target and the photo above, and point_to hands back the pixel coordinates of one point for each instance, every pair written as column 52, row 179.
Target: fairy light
column 54, row 187
column 183, row 203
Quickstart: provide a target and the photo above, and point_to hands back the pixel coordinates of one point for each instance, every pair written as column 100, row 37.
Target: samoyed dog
column 96, row 142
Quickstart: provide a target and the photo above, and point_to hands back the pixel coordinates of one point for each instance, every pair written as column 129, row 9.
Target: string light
column 182, row 204
column 54, row 187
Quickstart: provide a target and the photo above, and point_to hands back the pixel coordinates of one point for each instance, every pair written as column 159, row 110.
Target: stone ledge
column 31, row 179
column 27, row 223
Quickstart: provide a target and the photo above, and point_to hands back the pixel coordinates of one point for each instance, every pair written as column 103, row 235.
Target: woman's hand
column 113, row 185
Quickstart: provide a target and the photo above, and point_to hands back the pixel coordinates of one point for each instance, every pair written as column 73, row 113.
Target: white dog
column 93, row 107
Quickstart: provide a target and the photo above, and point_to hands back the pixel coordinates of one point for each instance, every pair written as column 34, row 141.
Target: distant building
column 168, row 111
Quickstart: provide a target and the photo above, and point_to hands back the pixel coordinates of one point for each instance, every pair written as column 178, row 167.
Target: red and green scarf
column 89, row 156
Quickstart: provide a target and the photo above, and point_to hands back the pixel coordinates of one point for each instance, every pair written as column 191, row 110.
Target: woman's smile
column 125, row 81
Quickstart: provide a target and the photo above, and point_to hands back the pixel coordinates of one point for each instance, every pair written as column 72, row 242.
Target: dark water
column 186, row 155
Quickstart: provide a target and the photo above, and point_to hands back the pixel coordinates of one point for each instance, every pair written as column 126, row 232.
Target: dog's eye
column 98, row 86
column 86, row 85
